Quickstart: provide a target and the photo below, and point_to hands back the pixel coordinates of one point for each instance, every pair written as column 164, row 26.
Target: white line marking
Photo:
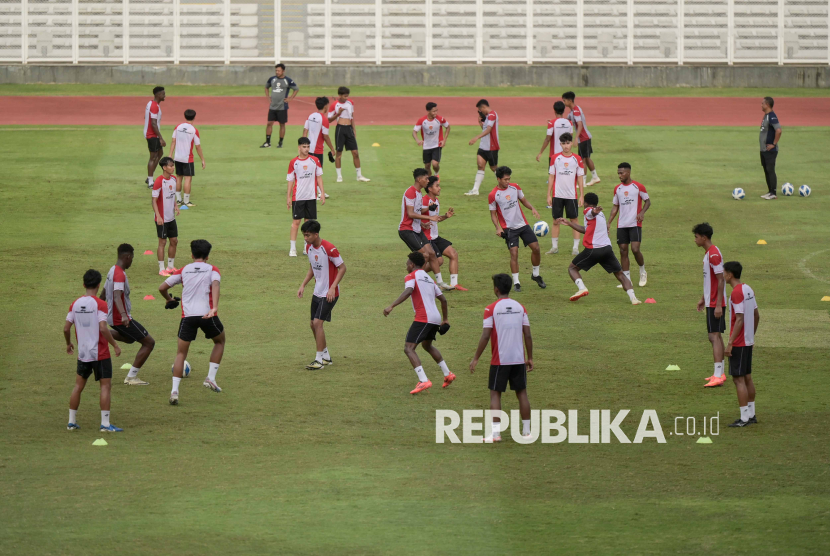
column 802, row 266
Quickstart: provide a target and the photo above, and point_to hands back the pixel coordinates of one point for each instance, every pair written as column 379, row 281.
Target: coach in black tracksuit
column 770, row 134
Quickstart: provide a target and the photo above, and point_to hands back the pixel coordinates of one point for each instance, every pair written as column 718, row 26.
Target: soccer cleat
column 135, row 381
column 363, row 178
column 73, row 427
column 445, row 287
column 753, row 421
column 491, row 439
column 148, row 182
column 619, row 285
column 279, row 145
column 715, row 382
column 575, row 251
column 636, row 301
column 314, row 366
column 327, row 361
column 461, row 288
column 165, row 272
column 265, row 145
column 553, row 251
column 517, row 288
column 292, row 253
column 739, row 423
column 548, row 207
column 189, row 204
column 594, row 181
column 111, row 428
column 472, row 192
column 421, row 387
column 577, row 295
column 339, row 179
column 174, row 398
column 768, row 196
column 448, row 380
column 710, row 378
column 211, row 385
column 643, row 278
column 540, row 281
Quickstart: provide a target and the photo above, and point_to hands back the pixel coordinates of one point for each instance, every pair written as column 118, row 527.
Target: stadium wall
column 435, row 75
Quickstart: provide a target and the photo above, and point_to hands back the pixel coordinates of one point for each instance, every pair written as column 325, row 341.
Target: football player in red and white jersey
column 410, row 229
column 200, row 303
column 556, row 127
column 185, row 137
column 345, row 132
column 743, row 308
column 585, row 149
column 628, row 202
column 488, row 149
column 316, row 128
column 442, row 247
column 511, row 224
column 423, row 291
column 89, row 315
column 327, row 268
column 597, row 250
column 507, row 328
column 152, row 132
column 433, row 138
column 565, row 192
column 713, row 299
column 165, row 210
column 305, row 178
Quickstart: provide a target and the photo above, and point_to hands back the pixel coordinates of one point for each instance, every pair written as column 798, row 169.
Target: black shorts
column 167, row 230
column 185, row 169
column 740, row 363
column 154, row 144
column 511, row 237
column 133, row 332
column 102, row 369
column 321, row 308
column 432, row 154
column 585, row 149
column 714, row 324
column 633, row 234
column 421, row 332
column 439, row 244
column 603, row 256
column 319, row 158
column 344, row 138
column 568, row 206
column 500, row 375
column 190, row 326
column 280, row 116
column 304, row 209
column 414, row 240
column 491, row 157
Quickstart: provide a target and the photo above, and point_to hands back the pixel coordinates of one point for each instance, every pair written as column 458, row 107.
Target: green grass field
column 343, row 461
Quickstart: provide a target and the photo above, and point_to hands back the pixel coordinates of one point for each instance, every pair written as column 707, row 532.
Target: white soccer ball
column 185, row 371
column 541, row 228
column 804, row 190
column 738, row 194
column 787, row 189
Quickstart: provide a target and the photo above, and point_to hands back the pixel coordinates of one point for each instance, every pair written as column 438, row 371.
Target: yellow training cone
column 761, row 242
column 826, row 298
column 376, row 144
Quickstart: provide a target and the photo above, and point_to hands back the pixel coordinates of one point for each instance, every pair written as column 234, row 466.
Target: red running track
column 527, row 111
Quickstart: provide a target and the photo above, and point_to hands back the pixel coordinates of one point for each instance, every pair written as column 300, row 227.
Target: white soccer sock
column 580, row 284
column 214, row 368
column 326, row 353
column 515, row 278
column 745, row 414
column 576, row 244
column 631, row 294
column 293, row 245
column 535, row 271
column 444, row 368
column 554, row 241
column 627, row 274
column 358, row 172
column 161, row 265
column 150, row 178
column 751, row 407
column 642, row 268
column 186, row 198
column 422, row 376
column 339, row 172
column 453, row 279
column 319, row 357
column 496, row 428
column 133, row 372
column 176, row 381
column 479, row 179
column 72, row 415
column 719, row 369
column 105, row 418
column 179, row 196
column 170, row 262
column 594, row 173
column 525, row 426
column 438, row 278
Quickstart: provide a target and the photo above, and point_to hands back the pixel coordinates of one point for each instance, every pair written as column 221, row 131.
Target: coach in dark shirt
column 769, row 137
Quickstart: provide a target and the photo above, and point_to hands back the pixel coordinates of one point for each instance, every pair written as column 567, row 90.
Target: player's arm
column 305, row 132
column 308, row 276
column 737, row 330
column 551, row 182
column 484, row 131
column 580, row 181
column 579, row 126
column 544, row 146
column 334, row 114
column 757, row 320
column 574, row 225
column 319, row 181
column 446, row 136
column 118, row 301
column 410, row 211
column 159, row 218
column 403, row 297
column 268, row 90
column 719, row 300
column 415, row 136
column 494, row 217
column 528, row 346
column 527, row 204
column 67, row 328
column 482, row 344
column 444, row 308
column 642, row 213
column 105, row 332
column 328, row 142
column 354, row 126
column 294, row 88
column 341, row 271
column 615, row 208
column 155, row 124
column 214, row 292
column 173, row 146
column 201, row 155
column 288, row 194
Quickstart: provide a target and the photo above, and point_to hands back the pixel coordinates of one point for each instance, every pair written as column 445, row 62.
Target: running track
column 528, row 111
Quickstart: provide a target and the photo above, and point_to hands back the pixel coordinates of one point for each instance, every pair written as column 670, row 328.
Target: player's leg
column 356, row 160
column 152, row 163
column 480, row 165
column 438, row 358
column 160, row 253
column 339, row 143
column 215, row 359
column 576, row 236
column 624, row 261
column 75, row 401
column 641, row 262
column 171, row 253
column 268, row 128
column 556, row 211
column 514, row 267
column 106, row 395
column 436, row 166
column 319, row 338
column 573, row 273
column 716, row 340
column 178, row 365
column 495, row 405
column 743, row 400
column 432, row 262
column 536, row 261
column 148, row 344
column 750, row 392
column 129, row 334
column 295, row 227
column 627, row 286
column 179, row 180
column 451, row 254
column 282, row 134
column 186, row 181
column 524, row 410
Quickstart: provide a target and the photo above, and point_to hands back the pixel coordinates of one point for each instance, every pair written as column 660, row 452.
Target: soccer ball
column 541, row 228
column 185, row 370
column 738, row 194
column 804, row 190
column 787, row 189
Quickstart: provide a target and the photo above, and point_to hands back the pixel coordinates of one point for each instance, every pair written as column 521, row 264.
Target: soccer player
column 628, row 202
column 412, row 213
column 166, row 211
column 713, row 299
column 597, row 250
column 277, row 89
column 511, row 224
column 423, row 291
column 488, row 148
column 305, row 177
column 327, row 269
column 577, row 119
column 432, row 138
column 441, row 247
column 564, row 177
column 556, row 127
column 316, row 128
column 744, row 319
column 506, row 327
column 124, row 328
column 89, row 315
column 152, row 126
column 769, row 137
column 345, row 133
column 200, row 302
column 185, row 137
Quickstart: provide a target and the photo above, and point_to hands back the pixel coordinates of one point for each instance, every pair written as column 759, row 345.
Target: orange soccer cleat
column 448, row 380
column 579, row 294
column 460, row 288
column 421, row 387
column 715, row 382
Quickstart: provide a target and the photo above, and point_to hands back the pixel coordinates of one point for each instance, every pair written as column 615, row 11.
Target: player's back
column 413, row 198
column 151, row 112
column 197, row 287
column 506, row 317
column 424, row 294
column 596, row 230
column 557, row 127
column 186, row 136
column 117, row 275
column 743, row 301
column 712, row 266
column 317, row 126
column 85, row 313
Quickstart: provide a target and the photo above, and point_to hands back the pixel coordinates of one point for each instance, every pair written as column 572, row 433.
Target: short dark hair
column 189, row 114
column 734, row 268
column 502, row 171
column 303, row 141
column 624, row 165
column 321, row 102
column 343, row 91
column 200, row 248
column 280, row 65
column 570, row 95
column 703, row 229
column 157, row 90
column 770, row 101
column 482, row 102
column 417, row 259
column 432, row 181
column 430, row 106
column 503, row 283
column 92, row 278
column 418, row 172
column 559, row 107
column 125, row 248
column 591, row 199
column 311, row 226
column 165, row 161
column 566, row 137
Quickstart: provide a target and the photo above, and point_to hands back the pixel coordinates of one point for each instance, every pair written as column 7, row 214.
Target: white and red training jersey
column 430, row 228
column 186, row 137
column 596, row 230
column 85, row 313
column 324, row 261
column 506, row 204
column 743, row 301
column 576, row 116
column 348, row 110
column 490, row 142
column 317, row 126
column 151, row 111
column 303, row 172
column 117, row 285
column 424, row 293
column 411, row 198
column 630, row 200
column 432, row 131
column 164, row 193
column 505, row 318
column 197, row 286
column 555, row 130
column 565, row 171
column 712, row 266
